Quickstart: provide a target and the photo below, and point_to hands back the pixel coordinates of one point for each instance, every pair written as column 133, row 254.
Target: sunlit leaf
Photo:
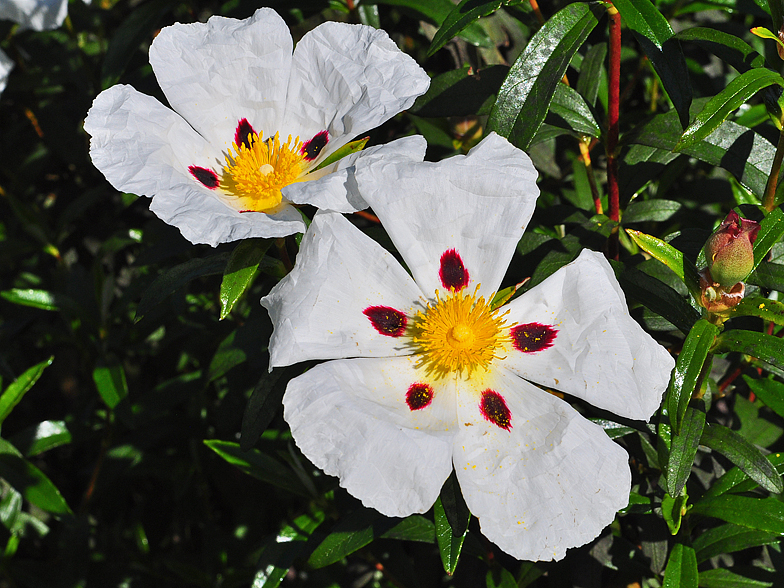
column 459, row 18
column 728, row 538
column 681, row 571
column 683, row 447
column 19, row 387
column 240, row 271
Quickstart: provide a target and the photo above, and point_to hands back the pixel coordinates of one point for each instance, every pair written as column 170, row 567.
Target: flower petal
column 318, row 309
column 6, row 65
column 350, row 418
column 337, row 190
column 599, row 353
column 217, row 73
column 476, row 204
column 39, row 15
column 553, row 480
column 347, row 79
column 144, row 148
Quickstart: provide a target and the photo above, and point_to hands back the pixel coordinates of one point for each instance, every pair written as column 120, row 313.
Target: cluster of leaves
column 153, row 450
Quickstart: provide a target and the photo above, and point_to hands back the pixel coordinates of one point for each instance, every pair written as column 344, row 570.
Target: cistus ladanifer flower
column 428, row 376
column 729, row 250
column 254, row 123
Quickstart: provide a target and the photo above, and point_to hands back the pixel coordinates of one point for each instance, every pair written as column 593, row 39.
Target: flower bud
column 729, row 250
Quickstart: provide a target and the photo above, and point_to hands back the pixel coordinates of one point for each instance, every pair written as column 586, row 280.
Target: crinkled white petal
column 39, row 15
column 144, row 148
column 600, row 354
column 478, row 204
column 347, row 79
column 317, row 308
column 337, row 190
column 6, row 65
column 216, row 73
column 551, row 482
column 350, row 418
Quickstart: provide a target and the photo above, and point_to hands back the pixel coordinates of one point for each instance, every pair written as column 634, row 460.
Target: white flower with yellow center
column 429, row 377
column 256, row 124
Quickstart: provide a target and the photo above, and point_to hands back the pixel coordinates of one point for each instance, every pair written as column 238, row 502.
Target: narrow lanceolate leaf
column 449, row 544
column 728, row 100
column 19, row 387
column 42, row 299
column 687, row 370
column 658, row 210
column 728, row 538
column 765, row 514
column 683, row 448
column 770, row 232
column 764, row 308
column 670, row 257
column 32, row 483
column 437, row 11
column 673, row 510
column 659, row 297
column 681, row 570
column 723, row 578
column 656, row 38
column 736, row 480
column 263, row 404
column 568, row 105
column 764, row 347
column 727, row 47
column 347, row 149
column 525, row 96
column 350, row 534
column 111, row 383
column 744, row 455
column 591, row 72
column 461, row 16
column 461, row 92
column 768, row 275
column 455, row 508
column 240, row 271
column 769, row 391
column 41, row 437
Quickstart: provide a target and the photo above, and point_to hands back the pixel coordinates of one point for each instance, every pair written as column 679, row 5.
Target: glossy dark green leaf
column 728, row 538
column 737, row 93
column 454, row 505
column 412, row 528
column 728, row 48
column 673, row 510
column 765, row 514
column 591, row 72
column 681, row 570
column 723, row 578
column 353, row 532
column 569, row 106
column 688, row 367
column 525, row 96
column 461, row 16
column 683, row 447
column 461, row 92
column 776, row 8
column 263, row 404
column 659, row 297
column 449, row 544
column 640, row 211
column 744, row 455
column 500, row 577
column 735, row 480
column 769, row 391
column 259, row 465
column 111, row 383
column 240, row 272
column 764, row 347
column 41, row 437
column 656, row 38
column 436, row 12
column 528, row 574
column 770, row 232
column 32, row 483
column 19, row 387
column 764, row 308
column 669, row 256
column 613, row 430
column 768, row 275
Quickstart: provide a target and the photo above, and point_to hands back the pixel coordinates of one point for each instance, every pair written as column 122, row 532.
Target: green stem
column 769, row 201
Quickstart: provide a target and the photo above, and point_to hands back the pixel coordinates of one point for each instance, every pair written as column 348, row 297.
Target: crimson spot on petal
column 386, row 320
column 493, row 407
column 311, row 149
column 419, row 395
column 453, row 273
column 532, row 337
column 206, row 176
column 243, row 133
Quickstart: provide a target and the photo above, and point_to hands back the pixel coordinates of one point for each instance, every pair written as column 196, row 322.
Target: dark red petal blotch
column 532, row 337
column 386, row 320
column 243, row 133
column 311, row 149
column 207, row 177
column 493, row 407
column 419, row 395
column 452, row 272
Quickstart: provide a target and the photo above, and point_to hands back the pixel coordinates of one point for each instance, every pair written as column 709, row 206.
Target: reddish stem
column 613, row 114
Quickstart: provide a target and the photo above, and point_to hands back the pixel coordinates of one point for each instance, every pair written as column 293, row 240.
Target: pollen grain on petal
column 310, row 150
column 532, row 337
column 452, row 271
column 494, row 409
column 207, row 177
column 387, row 320
column 419, row 395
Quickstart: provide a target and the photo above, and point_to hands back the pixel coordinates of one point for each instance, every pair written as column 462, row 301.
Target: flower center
column 256, row 170
column 459, row 333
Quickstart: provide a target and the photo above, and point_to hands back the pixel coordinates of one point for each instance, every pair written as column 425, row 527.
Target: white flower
column 439, row 379
column 251, row 123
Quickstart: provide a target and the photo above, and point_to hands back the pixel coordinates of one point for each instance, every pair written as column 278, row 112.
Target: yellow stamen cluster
column 257, row 173
column 459, row 333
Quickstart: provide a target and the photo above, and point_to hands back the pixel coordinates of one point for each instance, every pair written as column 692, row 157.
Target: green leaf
column 683, row 447
column 769, row 391
column 659, row 298
column 461, row 92
column 263, row 404
column 728, row 538
column 449, row 544
column 656, row 38
column 687, row 372
column 725, row 46
column 776, row 9
column 728, row 100
column 764, row 308
column 19, row 387
column 570, row 106
column 640, row 211
column 591, row 72
column 744, row 455
column 766, row 348
column 32, row 483
column 346, row 150
column 111, row 383
column 735, row 480
column 437, row 11
column 770, row 233
column 41, row 299
column 681, row 570
column 175, row 278
column 768, row 275
column 454, row 505
column 525, row 96
column 259, row 465
column 412, row 528
column 41, row 437
column 723, row 578
column 673, row 511
column 240, row 272
column 500, row 577
column 459, row 18
column 765, row 514
column 670, row 257
column 353, row 532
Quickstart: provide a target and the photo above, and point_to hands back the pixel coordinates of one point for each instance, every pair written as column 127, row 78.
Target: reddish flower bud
column 729, row 251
